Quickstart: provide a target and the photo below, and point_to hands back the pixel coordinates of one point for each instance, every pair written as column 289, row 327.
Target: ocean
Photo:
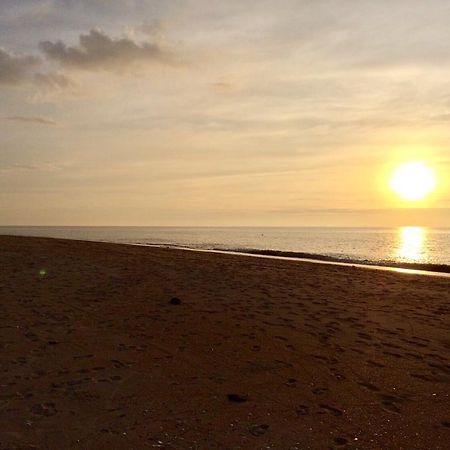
column 419, row 246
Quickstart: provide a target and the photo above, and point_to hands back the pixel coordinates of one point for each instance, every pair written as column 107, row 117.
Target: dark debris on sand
column 236, row 398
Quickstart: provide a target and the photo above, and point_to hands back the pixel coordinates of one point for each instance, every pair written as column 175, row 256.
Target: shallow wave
column 442, row 268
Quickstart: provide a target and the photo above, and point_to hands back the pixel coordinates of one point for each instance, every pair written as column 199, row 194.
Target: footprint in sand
column 340, row 441
column 258, row 430
column 319, row 391
column 375, row 363
column 369, row 386
column 302, row 410
column 391, row 407
column 326, row 409
column 291, row 382
column 390, row 402
column 47, row 409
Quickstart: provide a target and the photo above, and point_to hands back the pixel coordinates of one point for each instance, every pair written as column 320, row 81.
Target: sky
column 213, row 113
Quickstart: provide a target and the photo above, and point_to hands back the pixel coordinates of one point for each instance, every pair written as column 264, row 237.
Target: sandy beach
column 257, row 354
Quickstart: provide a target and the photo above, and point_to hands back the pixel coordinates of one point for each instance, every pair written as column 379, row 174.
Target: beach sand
column 259, row 354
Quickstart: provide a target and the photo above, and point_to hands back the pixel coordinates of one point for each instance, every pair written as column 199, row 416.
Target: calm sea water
column 377, row 245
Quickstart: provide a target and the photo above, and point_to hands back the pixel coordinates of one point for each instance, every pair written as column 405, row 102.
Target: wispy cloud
column 32, row 120
column 356, row 211
column 41, row 167
column 53, row 80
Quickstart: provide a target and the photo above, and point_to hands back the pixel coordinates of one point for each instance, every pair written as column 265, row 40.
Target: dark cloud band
column 97, row 50
column 15, row 69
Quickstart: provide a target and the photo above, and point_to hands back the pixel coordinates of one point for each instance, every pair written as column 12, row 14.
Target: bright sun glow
column 413, row 181
column 412, row 244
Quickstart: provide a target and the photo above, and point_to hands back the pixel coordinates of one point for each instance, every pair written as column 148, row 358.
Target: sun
column 413, row 181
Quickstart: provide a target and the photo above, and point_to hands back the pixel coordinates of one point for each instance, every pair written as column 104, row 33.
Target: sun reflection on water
column 412, row 244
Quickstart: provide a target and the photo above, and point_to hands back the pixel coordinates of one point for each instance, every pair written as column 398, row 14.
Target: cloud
column 40, row 167
column 52, row 80
column 15, row 69
column 351, row 211
column 21, row 69
column 36, row 120
column 97, row 50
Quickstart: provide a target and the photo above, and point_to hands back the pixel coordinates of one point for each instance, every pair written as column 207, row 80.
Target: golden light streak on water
column 412, row 244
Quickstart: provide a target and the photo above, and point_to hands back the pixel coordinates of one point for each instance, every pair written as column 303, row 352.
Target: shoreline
column 420, row 268
column 314, row 258
column 436, row 270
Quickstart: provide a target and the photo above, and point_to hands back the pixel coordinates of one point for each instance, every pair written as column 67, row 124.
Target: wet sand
column 259, row 354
